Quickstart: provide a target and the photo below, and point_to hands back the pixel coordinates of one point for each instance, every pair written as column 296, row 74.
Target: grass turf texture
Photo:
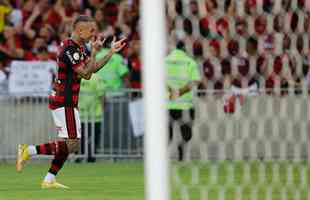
column 99, row 181
column 124, row 181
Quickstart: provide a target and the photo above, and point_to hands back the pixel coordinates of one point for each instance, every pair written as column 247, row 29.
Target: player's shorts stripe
column 74, row 124
column 71, row 132
column 70, row 122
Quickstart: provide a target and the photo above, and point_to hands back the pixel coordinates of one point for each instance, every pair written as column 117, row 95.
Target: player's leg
column 68, row 125
column 186, row 128
column 26, row 151
column 68, row 119
column 175, row 115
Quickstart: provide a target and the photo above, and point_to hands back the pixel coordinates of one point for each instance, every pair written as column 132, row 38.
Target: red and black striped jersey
column 66, row 86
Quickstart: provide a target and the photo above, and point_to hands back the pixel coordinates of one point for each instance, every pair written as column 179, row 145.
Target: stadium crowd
column 244, row 42
column 235, row 42
column 32, row 29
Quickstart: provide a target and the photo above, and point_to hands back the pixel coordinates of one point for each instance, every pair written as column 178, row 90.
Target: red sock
column 47, row 149
column 60, row 157
column 57, row 148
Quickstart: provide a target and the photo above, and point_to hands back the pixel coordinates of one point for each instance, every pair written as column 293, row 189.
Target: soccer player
column 183, row 76
column 73, row 65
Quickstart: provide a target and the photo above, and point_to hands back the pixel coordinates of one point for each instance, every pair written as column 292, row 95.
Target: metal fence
column 27, row 119
column 265, row 127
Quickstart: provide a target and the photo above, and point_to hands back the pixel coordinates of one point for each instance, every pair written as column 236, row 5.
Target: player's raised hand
column 98, row 41
column 116, row 46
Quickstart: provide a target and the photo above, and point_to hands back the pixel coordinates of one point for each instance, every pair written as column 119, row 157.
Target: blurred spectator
column 251, row 46
column 35, row 26
column 5, row 9
column 268, row 5
column 215, row 48
column 115, row 74
column 11, row 48
column 204, row 27
column 99, row 18
column 243, row 65
column 286, row 5
column 307, row 24
column 211, row 6
column 241, row 26
column 300, row 44
column 233, row 47
column 278, row 23
column 91, row 113
column 250, row 7
column 222, row 27
column 182, row 77
column 187, row 26
column 301, row 4
column 93, row 5
column 208, row 70
column 115, row 78
column 268, row 43
column 257, row 32
column 129, row 13
column 134, row 65
column 194, row 7
column 110, row 11
column 260, row 25
column 305, row 65
column 179, row 7
column 226, row 67
column 294, row 21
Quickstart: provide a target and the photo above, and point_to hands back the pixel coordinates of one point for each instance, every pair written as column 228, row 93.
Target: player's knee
column 73, row 145
column 186, row 132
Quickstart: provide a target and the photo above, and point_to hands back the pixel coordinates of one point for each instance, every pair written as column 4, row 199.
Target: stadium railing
column 263, row 126
column 25, row 118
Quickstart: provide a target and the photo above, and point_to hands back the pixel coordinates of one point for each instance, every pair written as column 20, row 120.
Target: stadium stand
column 251, row 43
column 32, row 29
column 262, row 41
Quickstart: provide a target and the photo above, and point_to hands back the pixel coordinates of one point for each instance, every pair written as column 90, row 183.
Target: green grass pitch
column 125, row 181
column 99, row 181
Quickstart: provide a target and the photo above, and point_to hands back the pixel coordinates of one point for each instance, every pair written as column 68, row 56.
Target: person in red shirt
column 73, row 65
column 11, row 48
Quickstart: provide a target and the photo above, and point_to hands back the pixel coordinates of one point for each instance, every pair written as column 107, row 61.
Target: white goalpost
column 259, row 148
column 153, row 53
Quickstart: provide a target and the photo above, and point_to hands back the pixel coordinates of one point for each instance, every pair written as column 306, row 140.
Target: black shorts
column 185, row 119
column 176, row 115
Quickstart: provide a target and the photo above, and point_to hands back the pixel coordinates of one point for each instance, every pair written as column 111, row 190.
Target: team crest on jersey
column 76, row 56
